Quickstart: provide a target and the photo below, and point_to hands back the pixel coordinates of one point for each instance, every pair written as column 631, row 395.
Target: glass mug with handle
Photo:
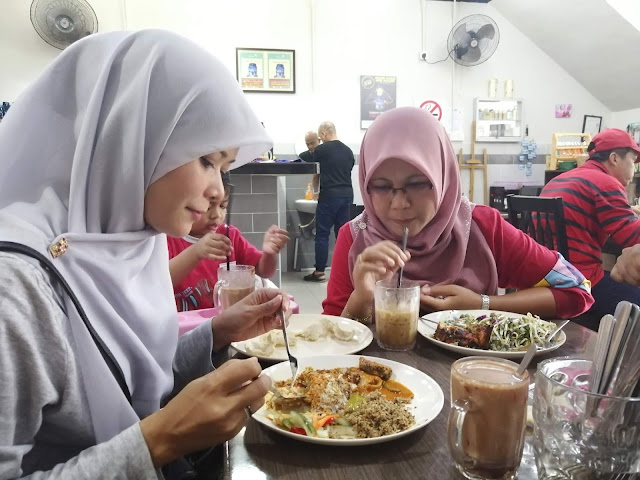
column 488, row 417
column 233, row 284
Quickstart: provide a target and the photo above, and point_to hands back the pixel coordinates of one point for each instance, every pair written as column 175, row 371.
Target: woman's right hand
column 377, row 262
column 207, row 412
column 213, row 246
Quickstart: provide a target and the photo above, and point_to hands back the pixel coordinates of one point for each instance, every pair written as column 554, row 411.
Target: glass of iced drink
column 396, row 313
column 488, row 417
column 233, row 284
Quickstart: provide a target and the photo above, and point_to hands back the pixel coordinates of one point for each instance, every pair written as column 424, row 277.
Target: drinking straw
column 405, row 237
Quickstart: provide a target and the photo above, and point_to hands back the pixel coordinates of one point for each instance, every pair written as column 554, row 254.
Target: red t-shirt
column 520, row 262
column 196, row 290
column 595, row 209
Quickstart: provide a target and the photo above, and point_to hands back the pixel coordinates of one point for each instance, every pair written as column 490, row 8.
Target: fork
column 293, row 361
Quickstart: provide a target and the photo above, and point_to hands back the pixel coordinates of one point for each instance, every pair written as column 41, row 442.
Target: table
column 257, row 453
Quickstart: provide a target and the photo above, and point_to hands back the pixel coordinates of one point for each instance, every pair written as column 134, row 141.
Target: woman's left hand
column 449, row 297
column 252, row 316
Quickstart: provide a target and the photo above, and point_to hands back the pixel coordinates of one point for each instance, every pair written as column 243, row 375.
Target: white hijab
column 111, row 115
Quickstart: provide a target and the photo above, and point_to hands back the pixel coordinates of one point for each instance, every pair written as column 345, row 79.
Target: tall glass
column 396, row 312
column 233, row 284
column 488, row 417
column 580, row 435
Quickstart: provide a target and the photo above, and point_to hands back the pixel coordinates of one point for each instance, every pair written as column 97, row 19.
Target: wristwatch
column 485, row 302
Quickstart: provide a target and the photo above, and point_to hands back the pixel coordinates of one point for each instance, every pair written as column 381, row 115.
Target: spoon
column 531, row 351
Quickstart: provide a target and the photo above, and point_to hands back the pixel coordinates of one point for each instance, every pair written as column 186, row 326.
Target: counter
column 273, row 168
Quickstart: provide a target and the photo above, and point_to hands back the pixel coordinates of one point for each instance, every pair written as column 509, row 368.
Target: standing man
column 596, row 209
column 336, row 192
column 312, row 140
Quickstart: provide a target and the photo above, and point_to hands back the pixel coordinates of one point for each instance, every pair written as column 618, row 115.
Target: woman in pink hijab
column 459, row 252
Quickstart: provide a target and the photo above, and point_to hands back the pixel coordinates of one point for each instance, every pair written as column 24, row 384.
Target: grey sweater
column 45, row 427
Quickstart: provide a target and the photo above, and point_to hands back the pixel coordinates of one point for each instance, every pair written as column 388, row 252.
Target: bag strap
column 104, row 350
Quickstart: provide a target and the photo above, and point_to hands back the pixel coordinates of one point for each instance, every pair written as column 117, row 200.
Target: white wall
column 622, row 119
column 336, row 41
column 23, row 54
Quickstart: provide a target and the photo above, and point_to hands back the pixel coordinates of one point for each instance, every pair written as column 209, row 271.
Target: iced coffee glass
column 396, row 313
column 488, row 417
column 233, row 284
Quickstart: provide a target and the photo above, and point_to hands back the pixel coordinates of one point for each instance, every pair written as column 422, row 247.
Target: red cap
column 612, row 139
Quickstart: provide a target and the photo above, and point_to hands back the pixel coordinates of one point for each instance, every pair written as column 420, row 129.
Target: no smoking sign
column 432, row 107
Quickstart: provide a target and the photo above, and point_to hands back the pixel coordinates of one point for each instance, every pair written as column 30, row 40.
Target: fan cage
column 46, row 13
column 473, row 23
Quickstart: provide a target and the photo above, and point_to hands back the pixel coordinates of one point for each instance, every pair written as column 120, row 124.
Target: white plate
column 427, row 329
column 323, row 346
column 425, row 406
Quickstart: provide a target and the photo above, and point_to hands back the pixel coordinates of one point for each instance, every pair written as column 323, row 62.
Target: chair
column 532, row 190
column 542, row 218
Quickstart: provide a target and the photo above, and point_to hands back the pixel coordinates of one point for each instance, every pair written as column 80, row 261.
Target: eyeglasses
column 410, row 189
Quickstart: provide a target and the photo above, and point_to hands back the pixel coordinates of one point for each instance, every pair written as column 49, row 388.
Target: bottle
column 308, row 195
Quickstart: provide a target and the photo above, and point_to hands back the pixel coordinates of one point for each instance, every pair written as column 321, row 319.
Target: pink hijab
column 451, row 248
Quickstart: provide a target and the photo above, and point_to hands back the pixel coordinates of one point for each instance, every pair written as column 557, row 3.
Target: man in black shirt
column 312, row 141
column 336, row 193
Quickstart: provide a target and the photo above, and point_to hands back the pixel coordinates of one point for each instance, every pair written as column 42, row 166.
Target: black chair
column 542, row 218
column 532, row 190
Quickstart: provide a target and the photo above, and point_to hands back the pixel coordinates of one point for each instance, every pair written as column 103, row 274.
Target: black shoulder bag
column 104, row 350
column 183, row 469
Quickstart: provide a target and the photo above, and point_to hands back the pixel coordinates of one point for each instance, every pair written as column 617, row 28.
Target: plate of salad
column 490, row 333
column 349, row 400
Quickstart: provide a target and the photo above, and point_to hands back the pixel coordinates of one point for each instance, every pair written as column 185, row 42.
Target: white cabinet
column 498, row 120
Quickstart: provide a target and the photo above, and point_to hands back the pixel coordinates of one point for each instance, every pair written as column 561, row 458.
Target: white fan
column 62, row 22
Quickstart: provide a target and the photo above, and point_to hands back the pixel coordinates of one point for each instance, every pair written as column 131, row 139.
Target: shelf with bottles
column 498, row 120
column 567, row 146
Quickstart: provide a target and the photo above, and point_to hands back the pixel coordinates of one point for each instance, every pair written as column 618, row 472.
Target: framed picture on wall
column 591, row 124
column 266, row 70
column 634, row 131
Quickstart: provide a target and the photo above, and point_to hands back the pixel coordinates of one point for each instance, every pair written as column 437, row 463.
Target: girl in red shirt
column 195, row 259
column 460, row 252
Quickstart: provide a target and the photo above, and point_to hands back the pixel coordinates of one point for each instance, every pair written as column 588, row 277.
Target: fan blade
column 460, row 51
column 460, row 34
column 486, row 31
column 472, row 55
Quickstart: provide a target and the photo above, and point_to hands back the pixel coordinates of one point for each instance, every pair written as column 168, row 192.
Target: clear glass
column 396, row 313
column 579, row 435
column 233, row 284
column 488, row 417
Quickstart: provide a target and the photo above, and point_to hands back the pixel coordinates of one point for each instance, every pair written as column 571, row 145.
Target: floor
column 308, row 295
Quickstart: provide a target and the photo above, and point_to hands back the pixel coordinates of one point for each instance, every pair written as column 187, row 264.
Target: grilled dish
column 494, row 332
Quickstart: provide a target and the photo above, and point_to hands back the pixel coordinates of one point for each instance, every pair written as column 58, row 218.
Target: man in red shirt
column 596, row 209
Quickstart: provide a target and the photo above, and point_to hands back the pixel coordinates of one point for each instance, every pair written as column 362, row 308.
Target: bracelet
column 485, row 302
column 365, row 320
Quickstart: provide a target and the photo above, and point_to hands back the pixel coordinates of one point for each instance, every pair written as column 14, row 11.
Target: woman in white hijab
column 122, row 139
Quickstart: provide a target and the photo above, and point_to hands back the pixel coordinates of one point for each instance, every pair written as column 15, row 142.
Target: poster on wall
column 634, row 131
column 377, row 95
column 266, row 70
column 563, row 110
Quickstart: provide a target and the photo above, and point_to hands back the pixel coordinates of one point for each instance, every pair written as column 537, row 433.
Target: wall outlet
column 423, row 56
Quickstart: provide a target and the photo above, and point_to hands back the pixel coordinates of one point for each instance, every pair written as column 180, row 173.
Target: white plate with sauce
column 427, row 402
column 327, row 345
column 427, row 329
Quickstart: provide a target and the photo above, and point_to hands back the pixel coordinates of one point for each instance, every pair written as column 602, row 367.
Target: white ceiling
column 590, row 39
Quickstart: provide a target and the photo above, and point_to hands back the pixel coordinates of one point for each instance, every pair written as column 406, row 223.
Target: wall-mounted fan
column 473, row 40
column 62, row 22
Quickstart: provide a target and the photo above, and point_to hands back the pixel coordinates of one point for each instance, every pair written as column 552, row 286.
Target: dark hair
column 226, row 182
column 604, row 156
